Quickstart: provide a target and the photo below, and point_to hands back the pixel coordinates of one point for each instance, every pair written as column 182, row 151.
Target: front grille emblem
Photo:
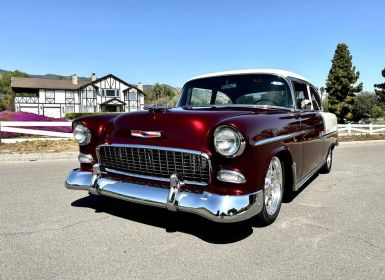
column 146, row 134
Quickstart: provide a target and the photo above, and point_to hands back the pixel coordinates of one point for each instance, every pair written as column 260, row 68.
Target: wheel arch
column 284, row 154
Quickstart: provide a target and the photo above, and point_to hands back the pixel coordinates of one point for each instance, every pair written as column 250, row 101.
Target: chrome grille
column 146, row 161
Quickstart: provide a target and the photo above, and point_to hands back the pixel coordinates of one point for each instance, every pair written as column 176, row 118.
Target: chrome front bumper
column 218, row 208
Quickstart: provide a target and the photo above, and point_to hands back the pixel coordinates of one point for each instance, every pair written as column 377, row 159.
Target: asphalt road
column 333, row 229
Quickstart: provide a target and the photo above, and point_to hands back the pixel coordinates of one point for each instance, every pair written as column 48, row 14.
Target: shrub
column 72, row 116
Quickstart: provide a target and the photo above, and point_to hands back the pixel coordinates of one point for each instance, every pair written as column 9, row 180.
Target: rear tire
column 328, row 164
column 272, row 192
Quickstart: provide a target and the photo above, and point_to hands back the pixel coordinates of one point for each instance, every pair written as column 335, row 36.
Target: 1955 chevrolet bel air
column 235, row 142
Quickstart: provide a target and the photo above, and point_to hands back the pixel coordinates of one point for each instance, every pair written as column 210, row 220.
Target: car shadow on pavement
column 206, row 230
column 291, row 196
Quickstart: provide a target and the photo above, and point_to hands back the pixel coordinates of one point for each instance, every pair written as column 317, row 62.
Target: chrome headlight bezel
column 83, row 132
column 239, row 141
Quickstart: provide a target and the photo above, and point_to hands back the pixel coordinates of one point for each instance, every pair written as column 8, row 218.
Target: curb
column 38, row 156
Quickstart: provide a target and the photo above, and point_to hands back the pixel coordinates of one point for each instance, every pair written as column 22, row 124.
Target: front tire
column 272, row 192
column 328, row 164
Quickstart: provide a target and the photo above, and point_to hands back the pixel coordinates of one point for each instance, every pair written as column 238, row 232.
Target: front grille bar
column 157, row 163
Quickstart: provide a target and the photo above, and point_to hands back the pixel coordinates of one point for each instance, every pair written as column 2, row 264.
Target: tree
column 160, row 94
column 380, row 90
column 366, row 106
column 340, row 84
column 6, row 93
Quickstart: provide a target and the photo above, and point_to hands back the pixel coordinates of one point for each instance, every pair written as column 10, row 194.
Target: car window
column 222, row 99
column 301, row 94
column 315, row 99
column 247, row 89
column 200, row 96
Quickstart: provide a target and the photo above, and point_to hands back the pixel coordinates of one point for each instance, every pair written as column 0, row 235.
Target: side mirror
column 306, row 104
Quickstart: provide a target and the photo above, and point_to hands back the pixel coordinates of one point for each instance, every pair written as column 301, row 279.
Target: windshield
column 261, row 89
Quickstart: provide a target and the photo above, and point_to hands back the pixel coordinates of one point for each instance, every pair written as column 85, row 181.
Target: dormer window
column 110, row 92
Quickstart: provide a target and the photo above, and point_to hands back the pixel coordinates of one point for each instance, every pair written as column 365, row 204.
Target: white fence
column 10, row 126
column 354, row 129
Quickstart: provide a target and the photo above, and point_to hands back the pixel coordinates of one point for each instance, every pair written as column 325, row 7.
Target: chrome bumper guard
column 218, row 208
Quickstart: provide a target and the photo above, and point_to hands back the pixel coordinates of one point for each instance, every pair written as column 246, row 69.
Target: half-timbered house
column 55, row 97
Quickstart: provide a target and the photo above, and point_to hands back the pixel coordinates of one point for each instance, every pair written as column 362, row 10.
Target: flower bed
column 25, row 117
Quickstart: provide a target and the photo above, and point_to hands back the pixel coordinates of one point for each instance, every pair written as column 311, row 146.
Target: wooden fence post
column 349, row 129
column 371, row 128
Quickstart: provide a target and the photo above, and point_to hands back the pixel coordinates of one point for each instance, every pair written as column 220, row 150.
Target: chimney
column 74, row 79
column 93, row 77
column 140, row 86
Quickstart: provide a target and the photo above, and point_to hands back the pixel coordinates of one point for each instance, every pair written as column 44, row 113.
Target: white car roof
column 278, row 72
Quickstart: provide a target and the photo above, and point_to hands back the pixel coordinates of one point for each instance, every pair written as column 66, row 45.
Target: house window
column 88, row 94
column 69, row 94
column 110, row 92
column 89, row 109
column 50, row 96
column 133, row 95
column 70, row 109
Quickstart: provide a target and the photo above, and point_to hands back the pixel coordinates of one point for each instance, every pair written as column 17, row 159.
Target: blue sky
column 171, row 41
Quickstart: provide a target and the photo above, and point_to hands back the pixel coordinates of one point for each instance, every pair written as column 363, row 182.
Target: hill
column 55, row 76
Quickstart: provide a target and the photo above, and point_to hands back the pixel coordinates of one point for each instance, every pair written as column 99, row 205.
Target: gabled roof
column 105, row 77
column 112, row 100
column 278, row 72
column 43, row 83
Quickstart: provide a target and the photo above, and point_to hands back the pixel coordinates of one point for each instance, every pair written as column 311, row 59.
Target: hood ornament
column 146, row 134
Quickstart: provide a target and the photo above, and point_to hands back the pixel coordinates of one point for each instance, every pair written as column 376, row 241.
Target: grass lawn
column 39, row 147
column 361, row 137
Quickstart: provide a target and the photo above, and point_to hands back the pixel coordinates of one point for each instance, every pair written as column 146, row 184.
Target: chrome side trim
column 215, row 207
column 323, row 135
column 158, row 148
column 280, row 138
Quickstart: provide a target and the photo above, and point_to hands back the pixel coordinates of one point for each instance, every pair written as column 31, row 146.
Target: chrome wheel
column 273, row 188
column 329, row 160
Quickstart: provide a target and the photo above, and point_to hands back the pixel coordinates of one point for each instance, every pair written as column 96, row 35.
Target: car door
column 311, row 125
column 316, row 108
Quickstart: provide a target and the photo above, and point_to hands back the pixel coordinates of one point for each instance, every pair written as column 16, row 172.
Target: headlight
column 228, row 141
column 81, row 134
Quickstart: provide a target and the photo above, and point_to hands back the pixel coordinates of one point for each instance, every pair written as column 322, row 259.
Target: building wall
column 56, row 103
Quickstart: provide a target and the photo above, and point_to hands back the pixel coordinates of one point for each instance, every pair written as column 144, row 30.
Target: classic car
column 230, row 149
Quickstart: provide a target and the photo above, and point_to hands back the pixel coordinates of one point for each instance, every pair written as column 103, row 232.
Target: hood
column 183, row 128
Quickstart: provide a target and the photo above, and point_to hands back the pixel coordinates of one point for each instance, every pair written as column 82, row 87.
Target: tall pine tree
column 380, row 90
column 340, row 84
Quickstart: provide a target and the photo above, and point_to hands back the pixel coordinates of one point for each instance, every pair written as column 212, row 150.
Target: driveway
column 333, row 229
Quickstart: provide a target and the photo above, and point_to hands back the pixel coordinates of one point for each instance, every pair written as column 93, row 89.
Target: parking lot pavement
column 333, row 229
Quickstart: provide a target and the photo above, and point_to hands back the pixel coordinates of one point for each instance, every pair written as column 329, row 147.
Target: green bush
column 72, row 116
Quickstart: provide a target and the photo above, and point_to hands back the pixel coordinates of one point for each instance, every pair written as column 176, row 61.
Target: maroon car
column 234, row 144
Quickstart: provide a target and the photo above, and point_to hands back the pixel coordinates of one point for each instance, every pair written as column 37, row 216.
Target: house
column 55, row 97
